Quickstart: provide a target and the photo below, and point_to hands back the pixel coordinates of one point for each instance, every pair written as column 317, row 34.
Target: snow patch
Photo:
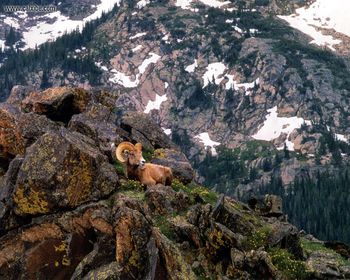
column 274, row 126
column 213, row 74
column 12, row 22
column 237, row 86
column 155, row 105
column 43, row 31
column 138, row 35
column 2, row 45
column 341, row 137
column 124, row 80
column 167, row 131
column 127, row 81
column 215, row 3
column 142, row 3
column 205, row 139
column 192, row 67
column 166, row 85
column 186, row 4
column 139, row 47
column 322, row 14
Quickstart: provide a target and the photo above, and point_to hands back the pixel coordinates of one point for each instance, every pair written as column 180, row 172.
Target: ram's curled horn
column 121, row 149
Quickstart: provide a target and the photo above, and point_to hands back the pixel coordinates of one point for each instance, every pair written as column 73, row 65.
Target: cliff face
column 68, row 212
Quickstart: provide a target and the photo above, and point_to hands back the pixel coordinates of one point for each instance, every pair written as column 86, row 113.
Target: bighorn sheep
column 136, row 167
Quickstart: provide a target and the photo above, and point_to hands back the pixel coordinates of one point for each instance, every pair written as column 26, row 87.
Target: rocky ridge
column 68, row 212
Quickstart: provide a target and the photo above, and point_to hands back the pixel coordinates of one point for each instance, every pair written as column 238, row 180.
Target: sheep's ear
column 138, row 147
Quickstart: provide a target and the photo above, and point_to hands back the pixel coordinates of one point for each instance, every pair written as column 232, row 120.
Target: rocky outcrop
column 143, row 130
column 180, row 165
column 66, row 214
column 58, row 104
column 19, row 130
column 71, row 172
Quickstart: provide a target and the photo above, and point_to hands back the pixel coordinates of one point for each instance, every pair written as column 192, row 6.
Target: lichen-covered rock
column 164, row 200
column 227, row 212
column 53, row 246
column 58, row 104
column 71, row 172
column 19, row 130
column 133, row 238
column 98, row 123
column 7, row 218
column 286, row 236
column 177, row 161
column 176, row 267
column 259, row 265
column 185, row 231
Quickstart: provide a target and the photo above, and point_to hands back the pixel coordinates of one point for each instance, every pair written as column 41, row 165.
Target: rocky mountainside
column 245, row 96
column 68, row 212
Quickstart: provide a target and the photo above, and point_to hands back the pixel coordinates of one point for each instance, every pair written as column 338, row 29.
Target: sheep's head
column 131, row 154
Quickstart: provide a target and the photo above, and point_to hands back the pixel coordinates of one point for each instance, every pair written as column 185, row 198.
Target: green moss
column 147, row 154
column 131, row 185
column 119, row 168
column 285, row 262
column 164, row 226
column 310, row 247
column 257, row 239
column 193, row 190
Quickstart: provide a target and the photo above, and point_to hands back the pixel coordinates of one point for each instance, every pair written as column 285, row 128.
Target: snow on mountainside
column 321, row 16
column 41, row 28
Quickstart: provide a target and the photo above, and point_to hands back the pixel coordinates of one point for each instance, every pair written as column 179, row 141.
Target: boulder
column 58, row 104
column 228, row 214
column 142, row 129
column 71, row 172
column 184, row 231
column 18, row 93
column 98, row 123
column 54, row 247
column 19, row 130
column 199, row 215
column 341, row 248
column 324, row 265
column 285, row 236
column 259, row 265
column 164, row 200
column 177, row 161
column 136, row 254
column 174, row 265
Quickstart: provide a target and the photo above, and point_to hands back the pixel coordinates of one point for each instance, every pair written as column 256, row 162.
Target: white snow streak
column 192, row 67
column 127, row 81
column 205, row 139
column 43, row 31
column 155, row 105
column 324, row 14
column 274, row 126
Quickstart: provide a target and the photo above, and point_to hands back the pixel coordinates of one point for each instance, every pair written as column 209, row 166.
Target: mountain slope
column 214, row 73
column 67, row 213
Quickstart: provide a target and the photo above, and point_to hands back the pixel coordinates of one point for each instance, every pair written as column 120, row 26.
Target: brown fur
column 147, row 173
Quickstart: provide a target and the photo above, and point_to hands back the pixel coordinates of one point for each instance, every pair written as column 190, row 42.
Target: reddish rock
column 19, row 130
column 58, row 104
